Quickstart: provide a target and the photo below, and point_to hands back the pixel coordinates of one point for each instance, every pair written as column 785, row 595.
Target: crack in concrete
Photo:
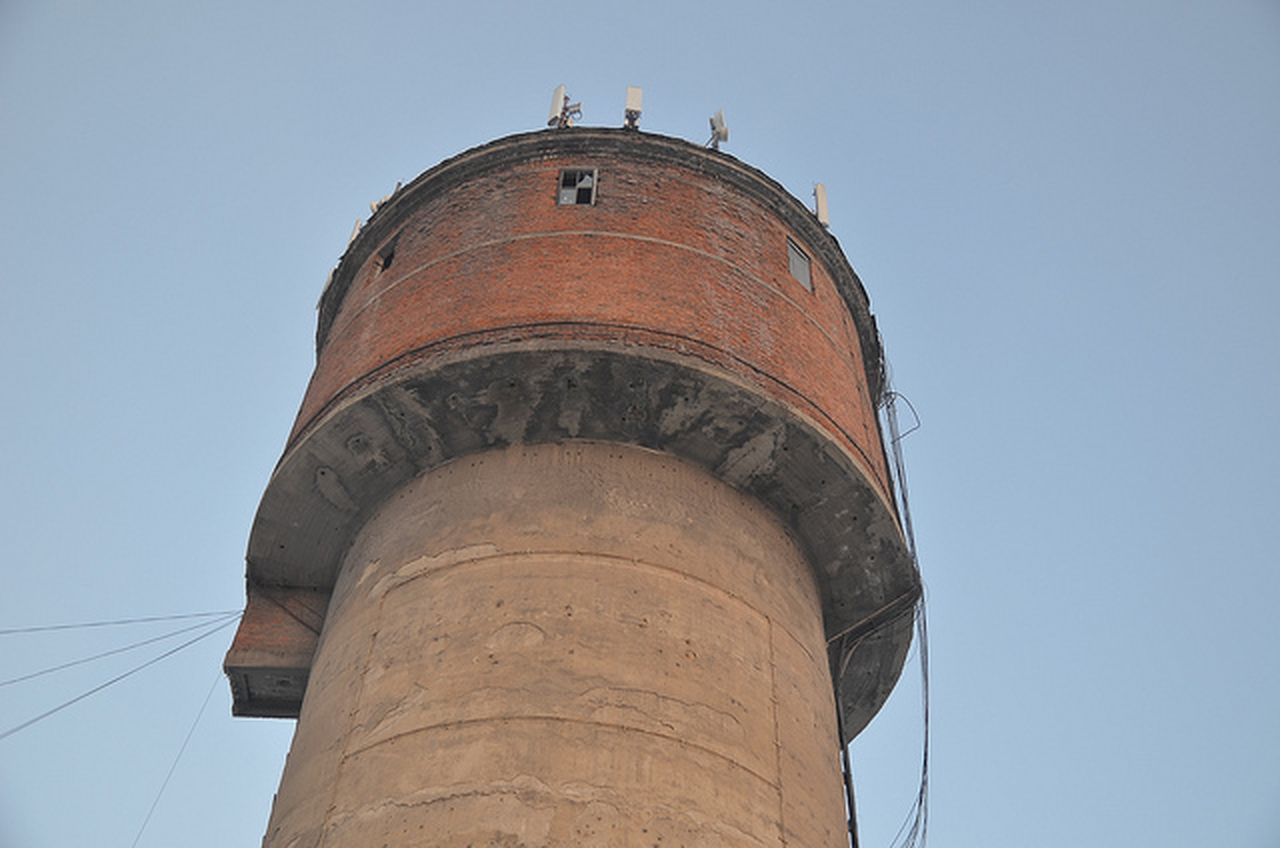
column 423, row 566
column 363, row 749
column 691, row 706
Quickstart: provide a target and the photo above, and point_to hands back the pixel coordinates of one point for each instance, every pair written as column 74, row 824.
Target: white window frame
column 799, row 264
column 571, row 195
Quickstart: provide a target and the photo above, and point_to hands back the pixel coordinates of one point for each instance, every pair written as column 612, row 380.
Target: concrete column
column 567, row 645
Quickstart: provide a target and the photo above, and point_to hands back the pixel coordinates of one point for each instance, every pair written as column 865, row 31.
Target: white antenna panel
column 719, row 127
column 719, row 130
column 820, row 205
column 635, row 98
column 557, row 105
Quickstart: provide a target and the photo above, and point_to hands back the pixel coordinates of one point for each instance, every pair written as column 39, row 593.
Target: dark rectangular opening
column 577, row 188
column 388, row 253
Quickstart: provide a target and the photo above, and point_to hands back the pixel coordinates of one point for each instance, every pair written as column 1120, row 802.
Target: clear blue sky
column 1067, row 216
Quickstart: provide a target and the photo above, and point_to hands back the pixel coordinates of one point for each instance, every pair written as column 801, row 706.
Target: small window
column 388, row 253
column 577, row 188
column 798, row 264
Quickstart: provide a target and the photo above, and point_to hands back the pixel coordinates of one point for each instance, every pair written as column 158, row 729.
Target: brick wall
column 669, row 257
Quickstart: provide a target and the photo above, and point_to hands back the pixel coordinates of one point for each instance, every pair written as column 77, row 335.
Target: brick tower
column 586, row 502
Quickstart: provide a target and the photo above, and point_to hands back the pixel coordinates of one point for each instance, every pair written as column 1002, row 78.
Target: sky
column 1067, row 217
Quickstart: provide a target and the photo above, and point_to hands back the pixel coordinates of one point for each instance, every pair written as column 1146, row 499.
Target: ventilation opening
column 388, row 254
column 577, row 188
column 798, row 264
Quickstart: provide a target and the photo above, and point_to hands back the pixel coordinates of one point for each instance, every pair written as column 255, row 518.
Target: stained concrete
column 567, row 645
column 434, row 410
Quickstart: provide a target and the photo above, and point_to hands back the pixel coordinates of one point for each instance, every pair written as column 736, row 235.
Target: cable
column 840, row 661
column 112, row 652
column 846, row 772
column 24, row 725
column 899, row 465
column 291, row 613
column 174, row 765
column 844, row 652
column 915, row 828
column 846, row 641
column 890, row 612
column 8, row 631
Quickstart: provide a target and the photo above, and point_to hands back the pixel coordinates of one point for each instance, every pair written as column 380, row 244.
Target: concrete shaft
column 581, row 644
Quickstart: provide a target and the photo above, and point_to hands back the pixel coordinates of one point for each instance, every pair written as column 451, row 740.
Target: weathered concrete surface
column 440, row 406
column 567, row 645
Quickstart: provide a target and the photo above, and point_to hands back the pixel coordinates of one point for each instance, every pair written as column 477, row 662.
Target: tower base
column 567, row 645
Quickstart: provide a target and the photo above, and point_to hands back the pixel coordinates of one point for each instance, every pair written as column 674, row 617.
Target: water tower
column 586, row 505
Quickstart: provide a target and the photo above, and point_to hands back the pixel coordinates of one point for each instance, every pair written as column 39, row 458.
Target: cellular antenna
column 563, row 113
column 719, row 130
column 376, row 204
column 820, row 205
column 631, row 117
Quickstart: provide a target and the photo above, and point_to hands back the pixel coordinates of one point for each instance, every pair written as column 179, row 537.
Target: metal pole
column 846, row 769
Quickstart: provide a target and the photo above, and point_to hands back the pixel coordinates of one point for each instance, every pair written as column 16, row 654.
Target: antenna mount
column 563, row 113
column 631, row 115
column 719, row 130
